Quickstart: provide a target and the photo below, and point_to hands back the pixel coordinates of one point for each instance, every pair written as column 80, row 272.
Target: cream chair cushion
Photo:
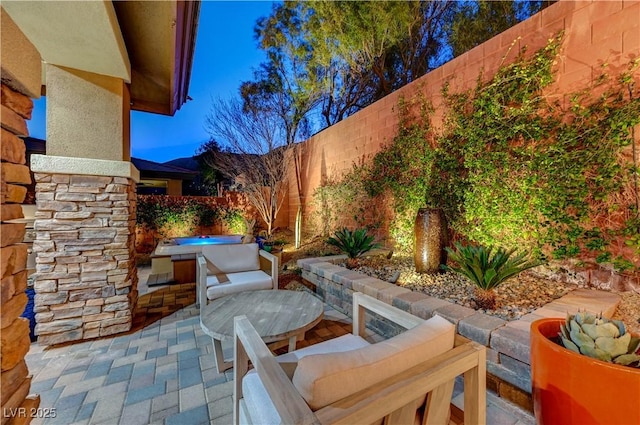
column 255, row 395
column 238, row 282
column 233, row 258
column 322, row 379
column 342, row 343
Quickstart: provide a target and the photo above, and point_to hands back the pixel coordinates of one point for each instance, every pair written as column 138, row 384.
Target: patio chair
column 227, row 269
column 347, row 380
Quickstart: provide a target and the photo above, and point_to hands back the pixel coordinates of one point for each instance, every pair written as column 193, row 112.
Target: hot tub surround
column 86, row 281
column 193, row 244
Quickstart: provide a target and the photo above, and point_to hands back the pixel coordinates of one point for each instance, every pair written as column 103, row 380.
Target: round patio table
column 277, row 315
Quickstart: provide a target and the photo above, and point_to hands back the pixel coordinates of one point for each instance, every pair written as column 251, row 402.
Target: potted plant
column 273, row 245
column 353, row 244
column 487, row 271
column 584, row 370
column 270, row 244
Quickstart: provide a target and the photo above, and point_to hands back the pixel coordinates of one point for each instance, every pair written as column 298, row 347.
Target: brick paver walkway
column 162, row 372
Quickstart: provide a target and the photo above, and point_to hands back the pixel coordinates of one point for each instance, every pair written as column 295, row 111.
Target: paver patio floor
column 163, row 372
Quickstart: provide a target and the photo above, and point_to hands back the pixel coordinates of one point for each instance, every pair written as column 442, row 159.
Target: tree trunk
column 298, row 227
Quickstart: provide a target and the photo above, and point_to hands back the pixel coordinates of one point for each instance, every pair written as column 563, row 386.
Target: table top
column 275, row 314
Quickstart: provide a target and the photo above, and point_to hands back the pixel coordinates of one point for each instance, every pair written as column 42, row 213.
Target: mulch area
column 285, row 280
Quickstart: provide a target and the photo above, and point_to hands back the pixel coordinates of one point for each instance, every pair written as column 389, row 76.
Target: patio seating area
column 163, row 372
column 519, row 149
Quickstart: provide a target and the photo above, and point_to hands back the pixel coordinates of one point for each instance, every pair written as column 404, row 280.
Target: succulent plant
column 487, row 269
column 600, row 338
column 355, row 243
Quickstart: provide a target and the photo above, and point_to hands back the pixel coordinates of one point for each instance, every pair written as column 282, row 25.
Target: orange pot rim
column 572, row 355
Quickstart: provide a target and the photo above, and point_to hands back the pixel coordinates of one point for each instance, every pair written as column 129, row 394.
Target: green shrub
column 235, row 221
column 173, row 216
column 487, row 270
column 511, row 167
column 342, row 202
column 355, row 243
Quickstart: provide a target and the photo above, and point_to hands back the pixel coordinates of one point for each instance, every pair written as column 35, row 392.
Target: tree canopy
column 350, row 54
column 336, row 57
column 477, row 21
column 328, row 59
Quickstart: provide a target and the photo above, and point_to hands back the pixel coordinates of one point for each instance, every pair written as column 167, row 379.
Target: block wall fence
column 595, row 33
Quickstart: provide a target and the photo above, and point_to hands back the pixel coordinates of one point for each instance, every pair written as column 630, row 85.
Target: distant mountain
column 189, row 163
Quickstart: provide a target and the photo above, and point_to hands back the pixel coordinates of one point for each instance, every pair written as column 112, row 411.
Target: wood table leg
column 219, row 355
column 294, row 339
column 292, row 343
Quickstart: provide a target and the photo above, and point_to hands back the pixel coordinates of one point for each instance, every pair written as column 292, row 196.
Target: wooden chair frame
column 393, row 400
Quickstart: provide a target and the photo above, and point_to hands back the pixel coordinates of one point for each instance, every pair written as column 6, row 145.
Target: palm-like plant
column 354, row 244
column 488, row 271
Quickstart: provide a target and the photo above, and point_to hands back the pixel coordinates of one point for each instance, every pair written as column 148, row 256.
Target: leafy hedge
column 173, row 216
column 344, row 202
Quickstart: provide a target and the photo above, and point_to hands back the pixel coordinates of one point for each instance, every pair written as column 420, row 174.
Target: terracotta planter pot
column 569, row 388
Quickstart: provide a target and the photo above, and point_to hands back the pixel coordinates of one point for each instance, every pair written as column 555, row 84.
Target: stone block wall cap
column 328, row 258
column 321, row 266
column 484, row 321
column 84, row 166
column 454, row 312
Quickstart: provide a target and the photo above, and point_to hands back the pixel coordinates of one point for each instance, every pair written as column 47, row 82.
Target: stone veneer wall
column 15, row 381
column 86, row 280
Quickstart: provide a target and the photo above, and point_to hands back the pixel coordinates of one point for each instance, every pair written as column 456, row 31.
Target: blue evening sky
column 226, row 54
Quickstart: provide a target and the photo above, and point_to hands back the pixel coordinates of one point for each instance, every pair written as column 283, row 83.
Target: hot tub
column 193, row 244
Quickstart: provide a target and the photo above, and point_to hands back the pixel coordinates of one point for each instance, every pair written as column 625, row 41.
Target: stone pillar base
column 86, row 281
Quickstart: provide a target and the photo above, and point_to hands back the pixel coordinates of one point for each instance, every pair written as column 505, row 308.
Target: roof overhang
column 149, row 44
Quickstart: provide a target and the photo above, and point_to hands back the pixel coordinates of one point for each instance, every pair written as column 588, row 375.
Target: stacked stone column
column 15, row 381
column 20, row 68
column 86, row 282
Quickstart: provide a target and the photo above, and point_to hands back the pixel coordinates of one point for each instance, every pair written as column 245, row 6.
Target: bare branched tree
column 252, row 153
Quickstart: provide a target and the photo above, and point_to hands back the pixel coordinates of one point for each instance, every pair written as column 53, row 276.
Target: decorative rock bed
column 507, row 342
column 450, row 286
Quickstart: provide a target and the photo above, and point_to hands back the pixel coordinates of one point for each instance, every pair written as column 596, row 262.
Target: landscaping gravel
column 629, row 311
column 515, row 297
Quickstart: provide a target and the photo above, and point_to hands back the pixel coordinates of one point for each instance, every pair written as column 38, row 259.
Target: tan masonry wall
column 15, row 381
column 596, row 33
column 86, row 284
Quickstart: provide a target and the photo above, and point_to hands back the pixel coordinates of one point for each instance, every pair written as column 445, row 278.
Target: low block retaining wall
column 509, row 372
column 507, row 342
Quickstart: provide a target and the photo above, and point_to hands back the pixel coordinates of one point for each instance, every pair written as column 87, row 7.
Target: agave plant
column 354, row 244
column 600, row 338
column 487, row 271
